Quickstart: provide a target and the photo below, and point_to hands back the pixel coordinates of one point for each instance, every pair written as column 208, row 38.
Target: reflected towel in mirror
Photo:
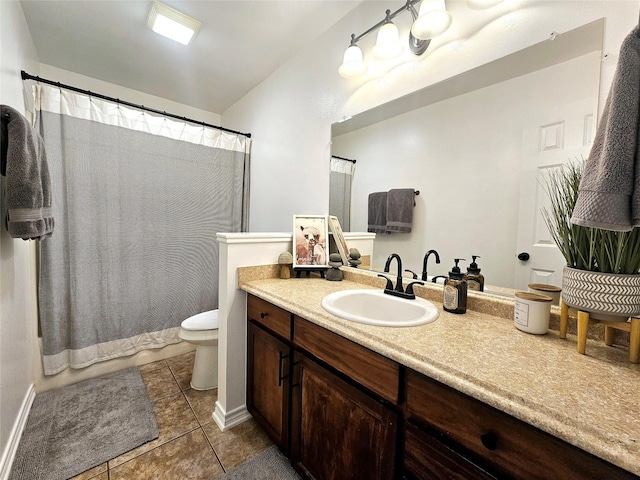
column 400, row 203
column 377, row 212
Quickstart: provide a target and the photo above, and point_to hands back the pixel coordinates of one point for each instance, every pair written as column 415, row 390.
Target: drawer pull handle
column 263, row 315
column 489, row 440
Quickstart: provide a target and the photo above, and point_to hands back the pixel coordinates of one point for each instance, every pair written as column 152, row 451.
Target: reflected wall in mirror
column 473, row 146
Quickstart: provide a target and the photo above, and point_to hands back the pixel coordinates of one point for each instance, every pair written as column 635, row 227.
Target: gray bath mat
column 80, row 426
column 267, row 465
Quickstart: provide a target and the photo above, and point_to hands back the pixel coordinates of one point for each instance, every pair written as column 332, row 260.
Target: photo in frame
column 310, row 238
column 338, row 237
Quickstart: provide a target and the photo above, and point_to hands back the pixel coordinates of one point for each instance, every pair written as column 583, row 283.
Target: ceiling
column 240, row 43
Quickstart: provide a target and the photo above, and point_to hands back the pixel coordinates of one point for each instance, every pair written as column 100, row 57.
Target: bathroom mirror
column 468, row 145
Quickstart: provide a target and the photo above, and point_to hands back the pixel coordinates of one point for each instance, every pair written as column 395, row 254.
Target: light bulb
column 388, row 43
column 352, row 63
column 433, row 19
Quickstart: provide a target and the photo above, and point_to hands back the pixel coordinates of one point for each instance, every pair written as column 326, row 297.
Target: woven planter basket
column 608, row 296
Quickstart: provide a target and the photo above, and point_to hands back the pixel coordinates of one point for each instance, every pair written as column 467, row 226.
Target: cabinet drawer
column 508, row 444
column 269, row 316
column 370, row 369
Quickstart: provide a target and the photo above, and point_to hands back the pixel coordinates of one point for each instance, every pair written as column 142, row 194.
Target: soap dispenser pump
column 455, row 291
column 475, row 280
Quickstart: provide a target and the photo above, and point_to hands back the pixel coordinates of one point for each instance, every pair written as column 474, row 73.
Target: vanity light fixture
column 388, row 43
column 172, row 24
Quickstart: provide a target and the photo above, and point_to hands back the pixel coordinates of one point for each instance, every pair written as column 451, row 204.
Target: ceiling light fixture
column 172, row 24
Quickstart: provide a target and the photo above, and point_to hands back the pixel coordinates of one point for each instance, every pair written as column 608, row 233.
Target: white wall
column 290, row 113
column 463, row 154
column 133, row 96
column 18, row 310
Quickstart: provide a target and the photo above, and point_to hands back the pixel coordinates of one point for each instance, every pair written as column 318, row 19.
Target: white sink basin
column 377, row 308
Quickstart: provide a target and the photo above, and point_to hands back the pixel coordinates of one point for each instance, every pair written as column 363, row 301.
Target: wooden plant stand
column 583, row 322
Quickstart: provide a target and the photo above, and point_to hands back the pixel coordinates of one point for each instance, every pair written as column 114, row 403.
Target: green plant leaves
column 586, row 248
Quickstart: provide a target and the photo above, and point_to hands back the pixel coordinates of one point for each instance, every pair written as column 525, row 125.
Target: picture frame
column 338, row 237
column 310, row 241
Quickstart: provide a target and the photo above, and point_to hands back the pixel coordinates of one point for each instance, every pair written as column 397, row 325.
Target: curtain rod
column 342, row 158
column 27, row 76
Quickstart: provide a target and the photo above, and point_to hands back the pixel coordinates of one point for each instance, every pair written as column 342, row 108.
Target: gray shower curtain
column 340, row 180
column 134, row 250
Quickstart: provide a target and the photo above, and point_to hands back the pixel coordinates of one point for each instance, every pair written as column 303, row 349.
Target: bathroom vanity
column 463, row 397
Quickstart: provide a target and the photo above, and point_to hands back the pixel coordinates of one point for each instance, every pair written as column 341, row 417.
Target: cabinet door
column 338, row 431
column 268, row 386
column 426, row 458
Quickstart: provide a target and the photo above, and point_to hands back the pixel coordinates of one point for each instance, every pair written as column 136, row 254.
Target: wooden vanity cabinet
column 506, row 446
column 427, row 457
column 341, row 411
column 339, row 432
column 343, row 423
column 329, row 410
column 269, row 369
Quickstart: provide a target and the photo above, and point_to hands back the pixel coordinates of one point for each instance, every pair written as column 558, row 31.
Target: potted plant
column 602, row 275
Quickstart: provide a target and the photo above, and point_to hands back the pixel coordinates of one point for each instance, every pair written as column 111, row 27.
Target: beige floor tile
column 187, row 457
column 174, row 417
column 203, row 403
column 160, row 383
column 238, row 444
column 182, row 367
column 150, row 367
column 93, row 473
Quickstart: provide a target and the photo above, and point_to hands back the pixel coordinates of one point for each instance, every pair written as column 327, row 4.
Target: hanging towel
column 400, row 203
column 28, row 187
column 377, row 222
column 609, row 194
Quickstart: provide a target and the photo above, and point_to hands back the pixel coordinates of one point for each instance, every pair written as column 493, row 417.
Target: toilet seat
column 202, row 321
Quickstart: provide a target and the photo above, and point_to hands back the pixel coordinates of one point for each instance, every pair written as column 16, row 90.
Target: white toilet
column 202, row 331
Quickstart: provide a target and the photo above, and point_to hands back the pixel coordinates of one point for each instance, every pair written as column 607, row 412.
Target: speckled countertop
column 591, row 401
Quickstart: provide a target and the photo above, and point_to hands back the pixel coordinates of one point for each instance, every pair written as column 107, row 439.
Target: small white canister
column 548, row 290
column 531, row 312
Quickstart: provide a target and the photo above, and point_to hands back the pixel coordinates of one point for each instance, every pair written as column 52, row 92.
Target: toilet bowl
column 202, row 331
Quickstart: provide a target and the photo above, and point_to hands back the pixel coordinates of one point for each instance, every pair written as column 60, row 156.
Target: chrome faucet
column 424, row 263
column 399, row 290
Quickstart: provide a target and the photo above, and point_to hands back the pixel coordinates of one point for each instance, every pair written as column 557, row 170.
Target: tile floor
column 190, row 444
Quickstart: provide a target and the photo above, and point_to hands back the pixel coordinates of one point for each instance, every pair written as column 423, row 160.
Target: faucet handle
column 389, row 285
column 409, row 290
column 415, row 275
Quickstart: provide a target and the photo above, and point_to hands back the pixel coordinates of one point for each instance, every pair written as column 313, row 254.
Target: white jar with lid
column 531, row 312
column 548, row 290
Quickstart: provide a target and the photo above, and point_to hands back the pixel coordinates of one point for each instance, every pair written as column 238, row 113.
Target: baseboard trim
column 227, row 420
column 11, row 448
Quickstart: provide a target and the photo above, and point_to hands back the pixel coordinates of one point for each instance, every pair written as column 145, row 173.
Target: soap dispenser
column 455, row 291
column 475, row 280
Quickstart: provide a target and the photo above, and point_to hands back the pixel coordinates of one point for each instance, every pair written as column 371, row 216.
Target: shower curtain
column 137, row 201
column 340, row 180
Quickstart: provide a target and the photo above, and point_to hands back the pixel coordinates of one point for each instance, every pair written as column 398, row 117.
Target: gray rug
column 83, row 425
column 270, row 464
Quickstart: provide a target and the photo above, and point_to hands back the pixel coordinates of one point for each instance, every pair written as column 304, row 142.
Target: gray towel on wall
column 377, row 212
column 609, row 195
column 400, row 203
column 28, row 186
